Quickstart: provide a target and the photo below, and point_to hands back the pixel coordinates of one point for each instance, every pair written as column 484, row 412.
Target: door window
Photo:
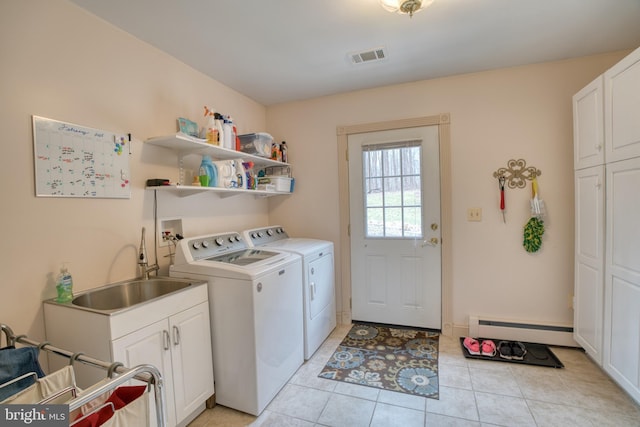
column 393, row 190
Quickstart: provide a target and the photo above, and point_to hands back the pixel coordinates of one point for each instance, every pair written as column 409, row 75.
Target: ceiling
column 276, row 51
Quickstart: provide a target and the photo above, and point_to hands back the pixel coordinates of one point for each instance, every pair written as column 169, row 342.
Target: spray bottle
column 218, row 119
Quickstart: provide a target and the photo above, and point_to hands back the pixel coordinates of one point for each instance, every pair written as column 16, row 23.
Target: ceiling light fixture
column 405, row 6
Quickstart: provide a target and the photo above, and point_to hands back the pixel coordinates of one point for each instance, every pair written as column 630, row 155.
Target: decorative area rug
column 386, row 357
column 536, row 354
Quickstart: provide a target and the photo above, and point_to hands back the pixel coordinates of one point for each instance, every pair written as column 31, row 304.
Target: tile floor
column 472, row 393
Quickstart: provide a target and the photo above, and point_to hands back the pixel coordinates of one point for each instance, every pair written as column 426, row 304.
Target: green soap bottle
column 64, row 285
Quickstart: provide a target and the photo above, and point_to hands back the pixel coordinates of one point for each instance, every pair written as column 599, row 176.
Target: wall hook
column 517, row 173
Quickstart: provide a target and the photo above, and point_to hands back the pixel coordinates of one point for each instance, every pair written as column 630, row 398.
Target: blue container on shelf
column 210, row 170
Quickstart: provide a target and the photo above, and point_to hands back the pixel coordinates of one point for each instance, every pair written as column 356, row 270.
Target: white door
column 394, row 188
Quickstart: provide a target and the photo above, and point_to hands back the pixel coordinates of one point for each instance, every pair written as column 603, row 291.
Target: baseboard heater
column 516, row 330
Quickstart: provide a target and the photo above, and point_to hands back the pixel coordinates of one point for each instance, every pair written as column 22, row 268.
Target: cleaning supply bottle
column 218, row 119
column 275, row 152
column 64, row 285
column 210, row 170
column 283, row 152
column 227, row 127
column 210, row 130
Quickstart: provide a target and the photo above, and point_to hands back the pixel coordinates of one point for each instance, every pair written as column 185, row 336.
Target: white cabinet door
column 150, row 345
column 622, row 276
column 191, row 357
column 589, row 260
column 622, row 104
column 588, row 125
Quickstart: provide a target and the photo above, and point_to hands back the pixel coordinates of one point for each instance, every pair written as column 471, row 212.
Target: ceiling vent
column 377, row 54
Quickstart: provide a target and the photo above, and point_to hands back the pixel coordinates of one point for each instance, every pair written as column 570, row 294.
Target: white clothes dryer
column 256, row 317
column 318, row 279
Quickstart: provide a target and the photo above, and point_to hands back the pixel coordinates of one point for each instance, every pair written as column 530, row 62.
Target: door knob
column 431, row 242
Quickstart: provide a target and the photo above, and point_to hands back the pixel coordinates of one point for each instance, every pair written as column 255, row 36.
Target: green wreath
column 533, row 231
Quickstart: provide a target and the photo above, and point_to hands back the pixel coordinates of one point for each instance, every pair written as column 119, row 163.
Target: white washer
column 256, row 317
column 318, row 279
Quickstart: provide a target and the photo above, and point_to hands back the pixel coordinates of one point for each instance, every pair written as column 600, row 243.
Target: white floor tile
column 347, row 411
column 503, row 410
column 454, row 402
column 402, row 399
column 300, row 402
column 388, row 415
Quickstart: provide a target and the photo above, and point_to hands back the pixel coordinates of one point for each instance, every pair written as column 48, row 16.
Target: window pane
column 393, row 222
column 392, row 192
column 411, row 191
column 374, row 224
column 412, row 222
column 411, row 161
column 373, row 192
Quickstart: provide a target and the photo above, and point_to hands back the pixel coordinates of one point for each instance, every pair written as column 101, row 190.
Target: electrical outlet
column 474, row 214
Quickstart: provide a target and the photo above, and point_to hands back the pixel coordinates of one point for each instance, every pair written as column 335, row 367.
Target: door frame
column 444, row 132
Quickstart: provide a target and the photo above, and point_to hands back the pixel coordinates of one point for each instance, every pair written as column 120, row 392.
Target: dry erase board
column 77, row 161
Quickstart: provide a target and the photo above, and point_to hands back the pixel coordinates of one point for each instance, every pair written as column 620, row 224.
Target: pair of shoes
column 511, row 350
column 474, row 347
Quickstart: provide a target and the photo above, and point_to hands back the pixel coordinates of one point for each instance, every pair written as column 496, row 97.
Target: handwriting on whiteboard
column 77, row 161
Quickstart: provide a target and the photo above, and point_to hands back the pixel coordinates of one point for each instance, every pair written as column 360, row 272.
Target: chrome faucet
column 143, row 262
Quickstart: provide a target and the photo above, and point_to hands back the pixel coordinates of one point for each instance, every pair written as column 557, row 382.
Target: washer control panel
column 261, row 236
column 216, row 244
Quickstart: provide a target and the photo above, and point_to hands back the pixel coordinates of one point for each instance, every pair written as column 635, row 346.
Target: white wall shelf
column 189, row 190
column 184, row 145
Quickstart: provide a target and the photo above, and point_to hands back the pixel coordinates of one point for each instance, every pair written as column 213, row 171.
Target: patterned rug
column 390, row 358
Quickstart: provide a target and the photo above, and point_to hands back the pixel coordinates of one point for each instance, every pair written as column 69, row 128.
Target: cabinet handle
column 176, row 335
column 166, row 339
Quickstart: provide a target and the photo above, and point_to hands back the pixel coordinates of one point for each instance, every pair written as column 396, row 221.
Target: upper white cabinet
column 622, row 109
column 588, row 125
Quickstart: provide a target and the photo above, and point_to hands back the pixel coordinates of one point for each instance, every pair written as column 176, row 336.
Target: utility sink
column 126, row 294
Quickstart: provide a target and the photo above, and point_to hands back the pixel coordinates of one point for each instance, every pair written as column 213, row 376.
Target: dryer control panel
column 261, row 236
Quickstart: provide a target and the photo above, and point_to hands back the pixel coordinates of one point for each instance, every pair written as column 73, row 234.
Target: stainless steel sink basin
column 129, row 293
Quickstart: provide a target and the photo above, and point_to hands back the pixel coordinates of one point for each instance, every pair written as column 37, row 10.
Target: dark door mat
column 537, row 354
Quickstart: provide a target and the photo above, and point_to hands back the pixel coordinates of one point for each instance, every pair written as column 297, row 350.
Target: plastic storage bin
column 258, row 144
column 282, row 183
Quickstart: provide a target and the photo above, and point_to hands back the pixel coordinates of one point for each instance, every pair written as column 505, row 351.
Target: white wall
column 514, row 113
column 62, row 63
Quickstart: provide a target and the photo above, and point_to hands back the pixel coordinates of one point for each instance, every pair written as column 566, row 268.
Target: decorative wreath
column 533, row 231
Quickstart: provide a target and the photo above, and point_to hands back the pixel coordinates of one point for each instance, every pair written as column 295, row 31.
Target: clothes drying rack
column 147, row 373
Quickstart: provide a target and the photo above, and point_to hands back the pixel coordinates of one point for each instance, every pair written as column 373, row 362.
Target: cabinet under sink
column 170, row 332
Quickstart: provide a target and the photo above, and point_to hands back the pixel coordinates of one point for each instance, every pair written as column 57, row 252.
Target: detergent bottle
column 64, row 285
column 208, row 168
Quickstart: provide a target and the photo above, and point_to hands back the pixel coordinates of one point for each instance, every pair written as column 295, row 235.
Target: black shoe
column 505, row 350
column 517, row 350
